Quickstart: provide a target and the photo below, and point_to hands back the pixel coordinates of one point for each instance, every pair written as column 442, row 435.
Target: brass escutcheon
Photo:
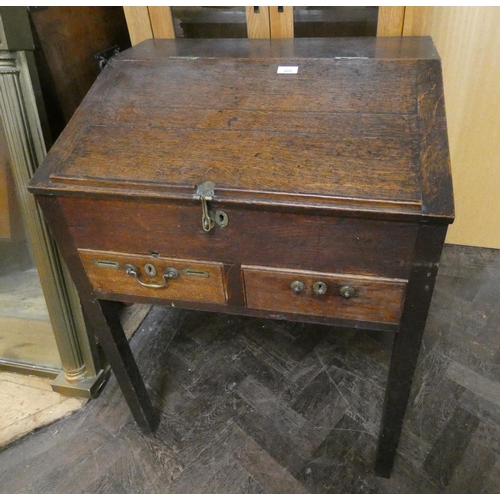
column 319, row 288
column 150, row 270
column 221, row 218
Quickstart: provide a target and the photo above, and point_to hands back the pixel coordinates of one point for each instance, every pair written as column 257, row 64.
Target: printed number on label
column 290, row 70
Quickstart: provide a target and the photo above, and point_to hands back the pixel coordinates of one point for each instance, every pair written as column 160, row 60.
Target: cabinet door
column 335, row 21
column 197, row 22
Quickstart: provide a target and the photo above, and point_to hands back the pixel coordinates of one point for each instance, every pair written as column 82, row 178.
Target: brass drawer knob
column 347, row 291
column 297, row 286
column 319, row 288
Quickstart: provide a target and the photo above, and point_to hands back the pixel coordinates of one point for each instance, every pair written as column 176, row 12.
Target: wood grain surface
column 412, row 47
column 391, row 19
column 161, row 22
column 434, row 151
column 259, row 160
column 139, row 25
column 375, row 300
column 252, row 237
column 258, row 22
column 187, row 286
column 362, row 163
column 281, row 22
column 67, row 40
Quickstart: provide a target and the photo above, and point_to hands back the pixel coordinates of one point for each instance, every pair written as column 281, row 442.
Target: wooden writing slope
column 302, row 179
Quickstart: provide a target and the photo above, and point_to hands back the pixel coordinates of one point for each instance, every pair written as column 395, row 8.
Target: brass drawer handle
column 170, row 273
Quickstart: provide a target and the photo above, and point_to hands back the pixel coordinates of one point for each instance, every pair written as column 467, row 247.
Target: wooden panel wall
column 281, row 21
column 258, row 22
column 390, row 21
column 468, row 41
column 139, row 25
column 162, row 24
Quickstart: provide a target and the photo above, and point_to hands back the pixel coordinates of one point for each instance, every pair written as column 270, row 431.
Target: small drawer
column 160, row 277
column 345, row 296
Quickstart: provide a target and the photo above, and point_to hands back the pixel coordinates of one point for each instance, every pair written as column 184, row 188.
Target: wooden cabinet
column 67, row 40
column 262, row 22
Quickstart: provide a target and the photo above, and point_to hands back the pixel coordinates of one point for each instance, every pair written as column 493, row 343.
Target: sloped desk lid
column 360, row 123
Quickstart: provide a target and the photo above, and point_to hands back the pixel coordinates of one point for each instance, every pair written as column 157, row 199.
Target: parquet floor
column 257, row 406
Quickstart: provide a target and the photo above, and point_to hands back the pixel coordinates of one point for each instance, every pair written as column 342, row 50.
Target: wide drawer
column 159, row 277
column 342, row 296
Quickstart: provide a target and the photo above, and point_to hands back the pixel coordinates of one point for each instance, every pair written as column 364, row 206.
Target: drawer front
column 146, row 276
column 320, row 294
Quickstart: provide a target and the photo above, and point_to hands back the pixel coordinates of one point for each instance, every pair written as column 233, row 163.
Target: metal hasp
column 205, row 192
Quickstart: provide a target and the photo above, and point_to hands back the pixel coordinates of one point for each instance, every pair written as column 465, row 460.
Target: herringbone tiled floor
column 251, row 405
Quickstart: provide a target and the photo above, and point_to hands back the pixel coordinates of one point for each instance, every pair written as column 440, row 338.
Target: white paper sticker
column 287, row 70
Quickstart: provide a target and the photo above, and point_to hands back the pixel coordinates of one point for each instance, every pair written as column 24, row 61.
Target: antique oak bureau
column 305, row 180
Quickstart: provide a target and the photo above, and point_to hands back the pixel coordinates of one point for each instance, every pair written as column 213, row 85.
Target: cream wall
column 468, row 41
